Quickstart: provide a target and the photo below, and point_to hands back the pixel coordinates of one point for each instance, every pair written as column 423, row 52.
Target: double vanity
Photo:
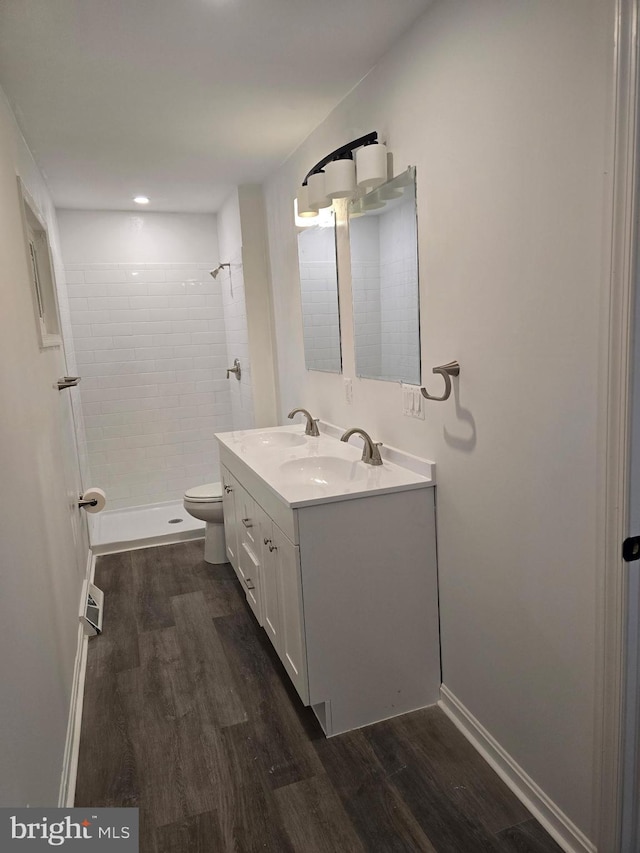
column 337, row 557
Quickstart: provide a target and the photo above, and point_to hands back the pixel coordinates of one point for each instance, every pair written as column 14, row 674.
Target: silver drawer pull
column 249, row 583
column 247, row 522
column 266, row 541
column 273, row 547
column 228, row 489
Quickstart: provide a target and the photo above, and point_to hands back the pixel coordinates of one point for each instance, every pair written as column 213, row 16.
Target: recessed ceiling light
column 141, row 199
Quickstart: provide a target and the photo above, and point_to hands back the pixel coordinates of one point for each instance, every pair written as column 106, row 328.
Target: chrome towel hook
column 447, row 371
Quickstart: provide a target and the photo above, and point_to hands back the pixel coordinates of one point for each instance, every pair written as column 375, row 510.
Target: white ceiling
column 181, row 100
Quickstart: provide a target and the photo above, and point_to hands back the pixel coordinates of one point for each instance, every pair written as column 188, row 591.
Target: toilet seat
column 209, row 493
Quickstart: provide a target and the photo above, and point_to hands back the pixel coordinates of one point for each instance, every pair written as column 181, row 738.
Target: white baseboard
column 67, row 793
column 557, row 824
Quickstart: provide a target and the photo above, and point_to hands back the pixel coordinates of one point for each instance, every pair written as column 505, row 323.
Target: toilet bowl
column 205, row 503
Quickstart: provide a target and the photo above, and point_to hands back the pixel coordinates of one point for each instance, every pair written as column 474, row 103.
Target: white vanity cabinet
column 267, row 564
column 345, row 588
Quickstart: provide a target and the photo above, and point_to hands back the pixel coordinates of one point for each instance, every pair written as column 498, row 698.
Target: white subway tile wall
column 399, row 300
column 151, row 347
column 319, row 296
column 365, row 284
column 384, row 270
column 237, row 337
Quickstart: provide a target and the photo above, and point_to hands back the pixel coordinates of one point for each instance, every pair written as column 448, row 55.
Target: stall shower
column 153, row 343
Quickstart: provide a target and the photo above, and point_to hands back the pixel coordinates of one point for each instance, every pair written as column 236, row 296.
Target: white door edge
column 614, row 430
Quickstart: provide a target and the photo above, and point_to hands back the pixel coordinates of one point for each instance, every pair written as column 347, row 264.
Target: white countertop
column 324, row 469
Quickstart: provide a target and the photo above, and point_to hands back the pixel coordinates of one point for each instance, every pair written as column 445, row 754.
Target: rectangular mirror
column 383, row 234
column 319, row 294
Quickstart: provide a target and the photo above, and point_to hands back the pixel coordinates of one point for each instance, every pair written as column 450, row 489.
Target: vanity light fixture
column 317, row 194
column 304, row 207
column 141, row 199
column 338, row 176
column 371, row 165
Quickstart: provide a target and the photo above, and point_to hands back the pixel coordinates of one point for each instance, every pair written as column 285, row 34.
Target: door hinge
column 631, row 549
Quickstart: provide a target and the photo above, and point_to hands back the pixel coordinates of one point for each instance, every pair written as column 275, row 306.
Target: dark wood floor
column 189, row 715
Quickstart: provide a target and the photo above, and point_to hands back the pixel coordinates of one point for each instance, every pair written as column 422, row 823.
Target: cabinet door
column 251, row 571
column 292, row 647
column 229, row 485
column 269, row 580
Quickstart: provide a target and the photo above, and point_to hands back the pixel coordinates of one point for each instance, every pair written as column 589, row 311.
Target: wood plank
column 448, row 829
column 527, row 837
column 113, row 576
column 152, row 586
column 205, row 662
column 107, row 769
column 249, row 817
column 468, row 780
column 284, row 751
column 361, row 783
column 199, row 834
column 314, row 818
column 172, row 742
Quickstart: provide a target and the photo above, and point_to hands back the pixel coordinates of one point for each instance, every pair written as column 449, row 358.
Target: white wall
column 503, row 109
column 136, row 238
column 151, row 347
column 43, row 545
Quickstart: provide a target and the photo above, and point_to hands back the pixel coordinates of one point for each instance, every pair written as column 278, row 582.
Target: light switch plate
column 412, row 402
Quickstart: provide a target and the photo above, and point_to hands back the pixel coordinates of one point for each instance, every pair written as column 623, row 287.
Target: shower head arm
column 215, row 272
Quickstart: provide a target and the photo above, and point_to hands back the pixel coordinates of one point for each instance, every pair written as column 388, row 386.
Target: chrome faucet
column 312, row 423
column 370, row 452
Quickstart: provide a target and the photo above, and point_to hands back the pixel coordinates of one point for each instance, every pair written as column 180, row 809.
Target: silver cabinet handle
column 273, row 547
column 266, row 541
column 247, row 522
column 228, row 489
column 68, row 382
column 249, row 583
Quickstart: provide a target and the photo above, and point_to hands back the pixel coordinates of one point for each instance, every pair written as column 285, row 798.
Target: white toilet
column 205, row 503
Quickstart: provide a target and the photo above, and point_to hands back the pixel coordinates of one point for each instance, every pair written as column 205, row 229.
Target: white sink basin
column 322, row 471
column 273, row 439
column 302, row 471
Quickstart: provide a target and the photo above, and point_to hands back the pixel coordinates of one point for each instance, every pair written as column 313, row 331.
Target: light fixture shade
column 340, row 178
column 317, row 194
column 371, row 165
column 305, row 208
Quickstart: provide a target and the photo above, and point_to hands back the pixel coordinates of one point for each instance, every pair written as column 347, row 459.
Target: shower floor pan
column 143, row 526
